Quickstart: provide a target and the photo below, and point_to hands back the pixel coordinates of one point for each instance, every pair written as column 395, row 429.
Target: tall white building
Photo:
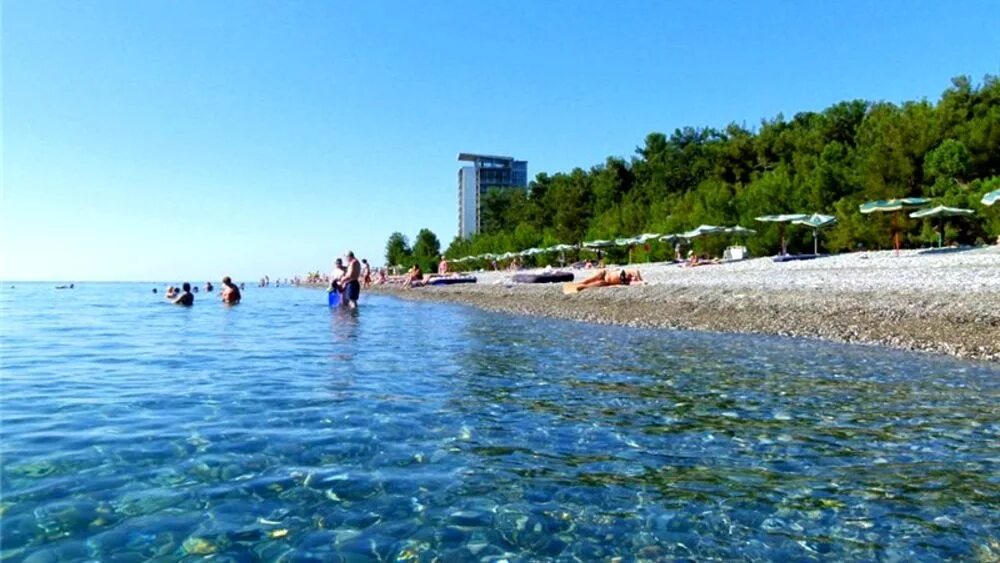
column 485, row 173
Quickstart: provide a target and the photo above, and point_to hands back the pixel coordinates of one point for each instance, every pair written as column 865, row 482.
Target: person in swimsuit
column 230, row 293
column 351, row 281
column 171, row 292
column 605, row 277
column 366, row 272
column 186, row 298
column 414, row 277
column 443, row 266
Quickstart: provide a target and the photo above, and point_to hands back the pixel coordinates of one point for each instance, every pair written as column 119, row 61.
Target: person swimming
column 171, row 292
column 186, row 298
column 209, row 287
column 230, row 293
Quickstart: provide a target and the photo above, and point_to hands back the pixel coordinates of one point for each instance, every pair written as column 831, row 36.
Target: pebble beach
column 941, row 301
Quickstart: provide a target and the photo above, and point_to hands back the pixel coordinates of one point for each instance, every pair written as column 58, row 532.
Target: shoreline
column 951, row 306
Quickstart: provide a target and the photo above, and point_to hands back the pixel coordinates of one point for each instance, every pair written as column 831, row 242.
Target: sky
column 187, row 140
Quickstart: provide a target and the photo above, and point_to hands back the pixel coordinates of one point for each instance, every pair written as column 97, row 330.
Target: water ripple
column 281, row 430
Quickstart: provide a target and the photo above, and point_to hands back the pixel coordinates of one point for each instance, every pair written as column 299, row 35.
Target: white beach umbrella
column 781, row 220
column 816, row 222
column 893, row 206
column 941, row 212
column 989, row 198
column 703, row 230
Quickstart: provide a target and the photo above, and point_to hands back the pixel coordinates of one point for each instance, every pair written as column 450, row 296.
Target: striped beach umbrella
column 816, row 222
column 941, row 212
column 893, row 206
column 990, row 197
column 781, row 220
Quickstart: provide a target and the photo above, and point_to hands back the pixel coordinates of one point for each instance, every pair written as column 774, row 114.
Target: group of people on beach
column 184, row 295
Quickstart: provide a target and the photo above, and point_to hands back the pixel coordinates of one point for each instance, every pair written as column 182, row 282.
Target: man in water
column 230, row 293
column 351, row 281
column 186, row 298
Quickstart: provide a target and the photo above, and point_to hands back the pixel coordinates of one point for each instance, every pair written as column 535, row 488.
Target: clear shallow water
column 279, row 430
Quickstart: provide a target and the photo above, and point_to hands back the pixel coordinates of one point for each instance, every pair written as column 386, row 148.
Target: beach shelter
column 561, row 249
column 816, row 222
column 702, row 230
column 941, row 212
column 598, row 244
column 781, row 220
column 990, row 197
column 738, row 230
column 893, row 206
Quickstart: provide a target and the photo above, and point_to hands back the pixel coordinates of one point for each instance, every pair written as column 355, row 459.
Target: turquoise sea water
column 280, row 430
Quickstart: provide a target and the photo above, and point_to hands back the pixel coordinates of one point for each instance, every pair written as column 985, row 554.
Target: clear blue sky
column 170, row 140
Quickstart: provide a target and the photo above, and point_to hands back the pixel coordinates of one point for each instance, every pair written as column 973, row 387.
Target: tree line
column 816, row 162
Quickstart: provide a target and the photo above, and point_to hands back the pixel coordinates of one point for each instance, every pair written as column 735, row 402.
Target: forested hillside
column 826, row 162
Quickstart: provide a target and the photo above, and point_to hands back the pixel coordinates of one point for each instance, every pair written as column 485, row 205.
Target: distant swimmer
column 230, row 293
column 351, row 281
column 186, row 298
column 171, row 292
column 209, row 287
column 70, row 286
column 154, row 290
column 195, row 289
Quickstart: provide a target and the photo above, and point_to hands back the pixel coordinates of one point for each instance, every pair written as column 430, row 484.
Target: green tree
column 426, row 250
column 397, row 250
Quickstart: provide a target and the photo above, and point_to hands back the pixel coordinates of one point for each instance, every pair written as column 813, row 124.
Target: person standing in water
column 186, row 298
column 230, row 293
column 351, row 281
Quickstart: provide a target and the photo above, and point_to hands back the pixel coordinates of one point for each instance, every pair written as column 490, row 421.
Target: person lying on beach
column 230, row 293
column 695, row 260
column 606, row 277
column 186, row 298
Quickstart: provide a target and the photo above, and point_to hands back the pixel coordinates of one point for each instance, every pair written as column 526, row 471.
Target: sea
column 283, row 430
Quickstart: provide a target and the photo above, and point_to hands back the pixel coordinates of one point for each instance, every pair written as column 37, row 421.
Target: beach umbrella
column 990, row 197
column 598, row 244
column 816, row 222
column 561, row 249
column 893, row 206
column 738, row 230
column 941, row 212
column 703, row 230
column 781, row 220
